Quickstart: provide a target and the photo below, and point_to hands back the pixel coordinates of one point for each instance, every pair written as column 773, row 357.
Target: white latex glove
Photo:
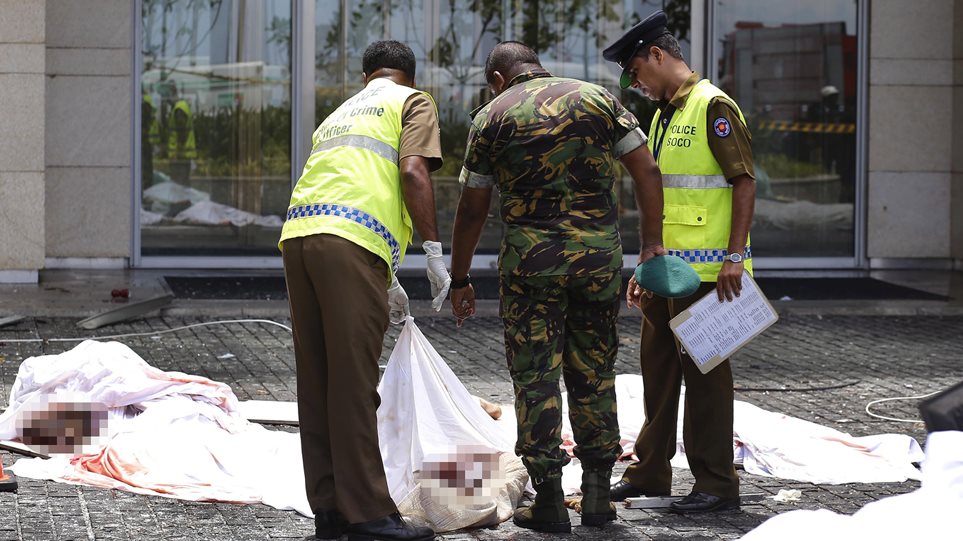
column 398, row 309
column 437, row 274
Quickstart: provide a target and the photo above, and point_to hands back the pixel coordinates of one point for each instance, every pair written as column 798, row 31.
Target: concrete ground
column 873, row 356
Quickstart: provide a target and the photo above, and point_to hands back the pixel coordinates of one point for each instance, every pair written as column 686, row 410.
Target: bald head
column 508, row 59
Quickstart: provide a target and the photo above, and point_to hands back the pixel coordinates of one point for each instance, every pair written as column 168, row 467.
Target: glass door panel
column 216, row 126
column 792, row 68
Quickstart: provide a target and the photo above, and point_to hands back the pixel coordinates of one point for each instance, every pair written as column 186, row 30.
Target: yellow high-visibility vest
column 697, row 215
column 187, row 150
column 351, row 183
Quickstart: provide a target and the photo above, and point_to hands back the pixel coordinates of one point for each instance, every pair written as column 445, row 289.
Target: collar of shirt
column 682, row 94
column 518, row 79
column 536, row 73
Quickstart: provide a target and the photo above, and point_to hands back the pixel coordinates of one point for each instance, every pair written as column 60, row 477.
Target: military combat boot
column 548, row 513
column 597, row 506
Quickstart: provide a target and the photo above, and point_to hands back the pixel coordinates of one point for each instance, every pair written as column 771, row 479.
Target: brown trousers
column 338, row 296
column 707, row 419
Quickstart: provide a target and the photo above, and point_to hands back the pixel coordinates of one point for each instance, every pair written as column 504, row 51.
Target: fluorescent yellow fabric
column 698, row 199
column 188, row 150
column 354, row 165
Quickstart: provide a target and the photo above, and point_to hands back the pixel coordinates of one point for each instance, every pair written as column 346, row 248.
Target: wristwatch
column 735, row 257
column 459, row 284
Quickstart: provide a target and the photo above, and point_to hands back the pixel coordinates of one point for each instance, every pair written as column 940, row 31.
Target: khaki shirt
column 420, row 133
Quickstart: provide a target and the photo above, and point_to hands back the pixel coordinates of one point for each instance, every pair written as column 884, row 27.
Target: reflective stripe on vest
column 355, row 215
column 694, row 181
column 360, row 141
column 706, row 256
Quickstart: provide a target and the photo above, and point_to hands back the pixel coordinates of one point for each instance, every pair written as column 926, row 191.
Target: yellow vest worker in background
column 701, row 143
column 181, row 144
column 349, row 222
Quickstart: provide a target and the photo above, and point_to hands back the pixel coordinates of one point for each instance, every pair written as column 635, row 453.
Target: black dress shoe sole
column 598, row 520
column 371, row 537
column 624, row 494
column 721, row 506
column 546, row 527
column 327, row 534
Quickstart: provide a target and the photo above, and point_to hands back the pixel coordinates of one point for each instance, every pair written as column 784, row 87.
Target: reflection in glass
column 216, row 125
column 451, row 40
column 792, row 69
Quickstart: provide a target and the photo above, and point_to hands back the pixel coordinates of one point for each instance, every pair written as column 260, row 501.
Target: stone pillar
column 89, row 129
column 956, row 201
column 911, row 128
column 21, row 140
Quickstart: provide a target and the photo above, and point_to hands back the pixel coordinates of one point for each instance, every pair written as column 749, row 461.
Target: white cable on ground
column 894, row 399
column 150, row 333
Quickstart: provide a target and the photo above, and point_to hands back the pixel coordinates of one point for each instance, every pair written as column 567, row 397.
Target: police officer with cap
column 701, row 143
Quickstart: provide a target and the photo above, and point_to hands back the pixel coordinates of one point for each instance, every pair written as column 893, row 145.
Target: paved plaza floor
column 859, row 358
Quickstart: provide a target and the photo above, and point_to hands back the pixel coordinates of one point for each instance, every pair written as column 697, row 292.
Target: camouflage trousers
column 563, row 326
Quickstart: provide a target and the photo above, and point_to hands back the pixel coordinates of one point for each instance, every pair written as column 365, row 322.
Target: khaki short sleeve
column 420, row 132
column 729, row 140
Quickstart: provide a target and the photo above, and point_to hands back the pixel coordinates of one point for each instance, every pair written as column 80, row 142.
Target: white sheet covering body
column 168, row 433
column 931, row 512
column 446, row 460
column 172, row 434
column 773, row 445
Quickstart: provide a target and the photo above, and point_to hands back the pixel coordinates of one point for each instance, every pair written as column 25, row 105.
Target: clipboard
column 711, row 331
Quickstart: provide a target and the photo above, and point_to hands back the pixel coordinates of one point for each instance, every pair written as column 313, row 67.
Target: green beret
column 667, row 276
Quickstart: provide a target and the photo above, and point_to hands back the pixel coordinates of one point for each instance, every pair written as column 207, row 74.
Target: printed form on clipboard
column 711, row 331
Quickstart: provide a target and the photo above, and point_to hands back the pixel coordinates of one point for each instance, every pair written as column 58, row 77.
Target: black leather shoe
column 623, row 490
column 700, row 502
column 329, row 524
column 390, row 528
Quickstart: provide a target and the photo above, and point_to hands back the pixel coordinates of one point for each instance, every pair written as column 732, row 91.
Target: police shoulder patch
column 721, row 126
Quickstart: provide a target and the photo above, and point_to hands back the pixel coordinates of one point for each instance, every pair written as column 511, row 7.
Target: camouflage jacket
column 550, row 145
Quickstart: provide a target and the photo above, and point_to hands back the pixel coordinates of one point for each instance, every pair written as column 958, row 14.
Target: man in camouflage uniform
column 550, row 145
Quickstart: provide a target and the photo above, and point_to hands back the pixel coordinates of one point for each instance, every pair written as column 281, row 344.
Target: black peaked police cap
column 641, row 34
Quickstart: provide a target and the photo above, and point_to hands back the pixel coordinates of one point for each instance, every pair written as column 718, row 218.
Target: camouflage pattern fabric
column 563, row 326
column 547, row 144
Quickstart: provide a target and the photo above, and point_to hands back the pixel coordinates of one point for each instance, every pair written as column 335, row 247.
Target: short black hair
column 507, row 55
column 667, row 43
column 389, row 54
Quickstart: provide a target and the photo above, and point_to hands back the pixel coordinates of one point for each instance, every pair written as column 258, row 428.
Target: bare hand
column 729, row 282
column 634, row 293
column 650, row 251
column 463, row 303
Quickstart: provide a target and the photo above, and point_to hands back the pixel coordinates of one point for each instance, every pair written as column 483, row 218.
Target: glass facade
column 218, row 103
column 792, row 68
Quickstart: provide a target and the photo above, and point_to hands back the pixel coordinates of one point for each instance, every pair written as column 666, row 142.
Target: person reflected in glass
column 150, row 139
column 181, row 142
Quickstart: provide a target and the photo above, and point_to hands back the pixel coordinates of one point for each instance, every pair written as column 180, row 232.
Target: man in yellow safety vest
column 363, row 189
column 701, row 143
